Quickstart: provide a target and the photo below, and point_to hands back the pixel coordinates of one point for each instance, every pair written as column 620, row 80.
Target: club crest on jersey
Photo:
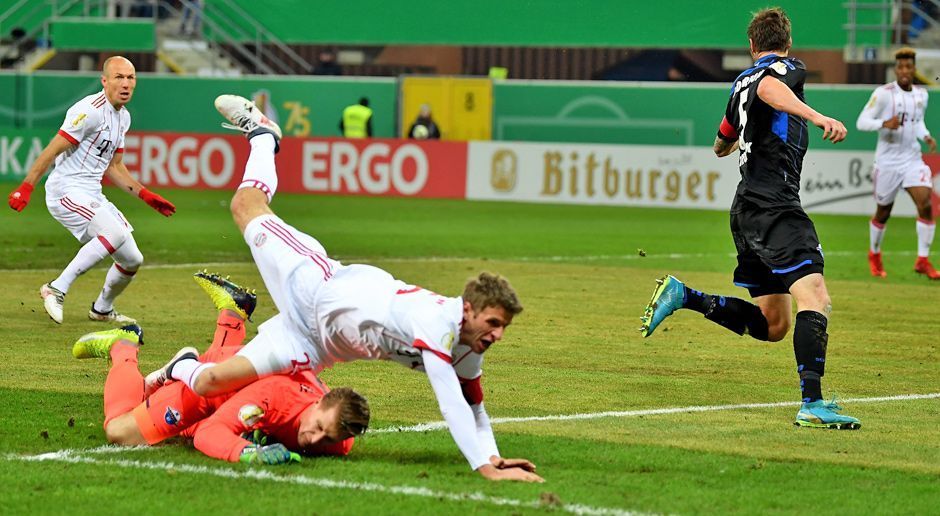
column 260, row 239
column 250, row 415
column 448, row 341
column 171, row 416
column 79, row 120
column 779, row 67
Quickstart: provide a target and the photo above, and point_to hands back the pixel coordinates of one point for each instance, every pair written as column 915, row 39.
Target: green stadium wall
column 578, row 23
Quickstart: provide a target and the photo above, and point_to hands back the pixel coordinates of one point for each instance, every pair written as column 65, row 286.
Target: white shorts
column 76, row 209
column 293, row 266
column 890, row 179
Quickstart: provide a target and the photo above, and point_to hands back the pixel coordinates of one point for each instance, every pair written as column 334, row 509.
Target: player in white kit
column 89, row 145
column 330, row 312
column 896, row 110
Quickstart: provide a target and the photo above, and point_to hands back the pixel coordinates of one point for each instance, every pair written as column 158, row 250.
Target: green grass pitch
column 575, row 350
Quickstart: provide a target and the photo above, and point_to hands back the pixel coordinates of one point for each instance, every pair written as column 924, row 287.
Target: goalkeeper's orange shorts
column 169, row 411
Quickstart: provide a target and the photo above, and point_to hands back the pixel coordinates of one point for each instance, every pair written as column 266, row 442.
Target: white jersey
column 901, row 146
column 97, row 130
column 364, row 313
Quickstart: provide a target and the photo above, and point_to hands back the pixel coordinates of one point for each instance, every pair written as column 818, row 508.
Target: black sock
column 809, row 345
column 735, row 314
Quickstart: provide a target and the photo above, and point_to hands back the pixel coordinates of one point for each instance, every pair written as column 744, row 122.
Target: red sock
column 229, row 336
column 124, row 388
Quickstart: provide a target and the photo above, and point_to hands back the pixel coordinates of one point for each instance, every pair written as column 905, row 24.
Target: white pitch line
column 440, row 425
column 447, row 259
column 70, row 456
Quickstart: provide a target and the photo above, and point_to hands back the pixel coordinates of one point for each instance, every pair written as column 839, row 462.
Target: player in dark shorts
column 779, row 254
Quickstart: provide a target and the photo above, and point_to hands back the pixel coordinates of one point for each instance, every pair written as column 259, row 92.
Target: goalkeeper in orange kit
column 296, row 413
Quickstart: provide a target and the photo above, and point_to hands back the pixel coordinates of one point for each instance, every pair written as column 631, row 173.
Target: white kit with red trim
column 97, row 130
column 896, row 147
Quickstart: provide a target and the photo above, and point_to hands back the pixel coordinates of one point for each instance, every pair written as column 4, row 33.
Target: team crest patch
column 448, row 341
column 250, row 415
column 95, row 205
column 171, row 416
column 79, row 120
column 779, row 67
column 261, row 239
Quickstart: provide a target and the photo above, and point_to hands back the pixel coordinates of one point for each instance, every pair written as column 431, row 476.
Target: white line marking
column 326, row 483
column 440, row 425
column 446, row 259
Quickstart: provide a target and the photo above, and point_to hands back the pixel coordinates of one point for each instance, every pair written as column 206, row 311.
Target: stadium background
column 530, row 138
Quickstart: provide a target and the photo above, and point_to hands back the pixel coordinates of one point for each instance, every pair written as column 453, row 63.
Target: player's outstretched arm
column 118, row 174
column 780, row 97
column 19, row 198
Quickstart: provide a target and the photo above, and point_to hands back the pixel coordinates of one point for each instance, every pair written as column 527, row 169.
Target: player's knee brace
column 106, row 226
column 809, row 343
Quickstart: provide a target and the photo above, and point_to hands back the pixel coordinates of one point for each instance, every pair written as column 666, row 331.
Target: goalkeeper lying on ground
column 297, row 412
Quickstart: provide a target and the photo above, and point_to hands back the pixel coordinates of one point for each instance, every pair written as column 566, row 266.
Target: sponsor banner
column 666, row 176
column 18, row 150
column 305, row 165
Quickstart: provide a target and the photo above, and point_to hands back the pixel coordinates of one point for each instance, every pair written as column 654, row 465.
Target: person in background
column 424, row 127
column 357, row 120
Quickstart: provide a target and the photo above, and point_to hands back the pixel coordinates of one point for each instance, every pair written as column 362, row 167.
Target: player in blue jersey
column 779, row 254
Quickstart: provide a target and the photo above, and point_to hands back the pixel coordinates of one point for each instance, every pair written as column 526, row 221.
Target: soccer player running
column 89, row 145
column 295, row 414
column 896, row 110
column 330, row 312
column 779, row 254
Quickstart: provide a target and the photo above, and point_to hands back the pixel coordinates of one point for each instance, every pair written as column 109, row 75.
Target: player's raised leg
column 737, row 315
column 123, row 389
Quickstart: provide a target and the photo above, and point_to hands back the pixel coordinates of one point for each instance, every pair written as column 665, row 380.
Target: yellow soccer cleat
column 98, row 344
column 227, row 295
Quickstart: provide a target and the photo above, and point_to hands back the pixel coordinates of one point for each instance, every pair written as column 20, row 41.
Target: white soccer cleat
column 109, row 316
column 245, row 116
column 52, row 301
column 157, row 378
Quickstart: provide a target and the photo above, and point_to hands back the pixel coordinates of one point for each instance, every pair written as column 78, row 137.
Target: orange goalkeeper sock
column 124, row 387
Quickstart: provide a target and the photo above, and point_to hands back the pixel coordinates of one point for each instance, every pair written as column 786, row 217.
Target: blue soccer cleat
column 668, row 297
column 825, row 414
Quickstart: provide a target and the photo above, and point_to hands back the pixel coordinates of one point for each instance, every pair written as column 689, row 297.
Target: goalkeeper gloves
column 271, row 455
column 157, row 202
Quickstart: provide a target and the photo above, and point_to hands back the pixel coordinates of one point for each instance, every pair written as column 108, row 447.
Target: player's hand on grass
column 518, row 474
column 503, row 463
column 19, row 198
column 271, row 455
column 157, row 202
column 833, row 129
column 892, row 123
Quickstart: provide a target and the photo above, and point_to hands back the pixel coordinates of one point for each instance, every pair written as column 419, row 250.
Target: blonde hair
column 491, row 290
column 906, row 53
column 353, row 409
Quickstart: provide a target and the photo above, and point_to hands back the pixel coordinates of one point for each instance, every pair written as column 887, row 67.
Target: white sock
column 90, row 254
column 925, row 232
column 260, row 171
column 114, row 283
column 187, row 371
column 876, row 232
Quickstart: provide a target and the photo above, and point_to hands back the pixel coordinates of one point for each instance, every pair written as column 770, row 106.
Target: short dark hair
column 353, row 409
column 488, row 290
column 364, row 101
column 769, row 30
column 906, row 53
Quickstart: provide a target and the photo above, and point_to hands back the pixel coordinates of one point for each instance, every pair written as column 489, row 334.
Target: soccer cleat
column 923, row 266
column 668, row 297
column 52, row 301
column 156, row 379
column 109, row 316
column 98, row 344
column 227, row 295
column 874, row 264
column 245, row 116
column 825, row 414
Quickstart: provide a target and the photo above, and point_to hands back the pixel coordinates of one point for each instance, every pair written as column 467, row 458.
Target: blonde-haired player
column 88, row 146
column 896, row 110
column 331, row 312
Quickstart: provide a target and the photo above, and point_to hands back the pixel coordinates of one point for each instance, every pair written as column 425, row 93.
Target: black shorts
column 776, row 247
